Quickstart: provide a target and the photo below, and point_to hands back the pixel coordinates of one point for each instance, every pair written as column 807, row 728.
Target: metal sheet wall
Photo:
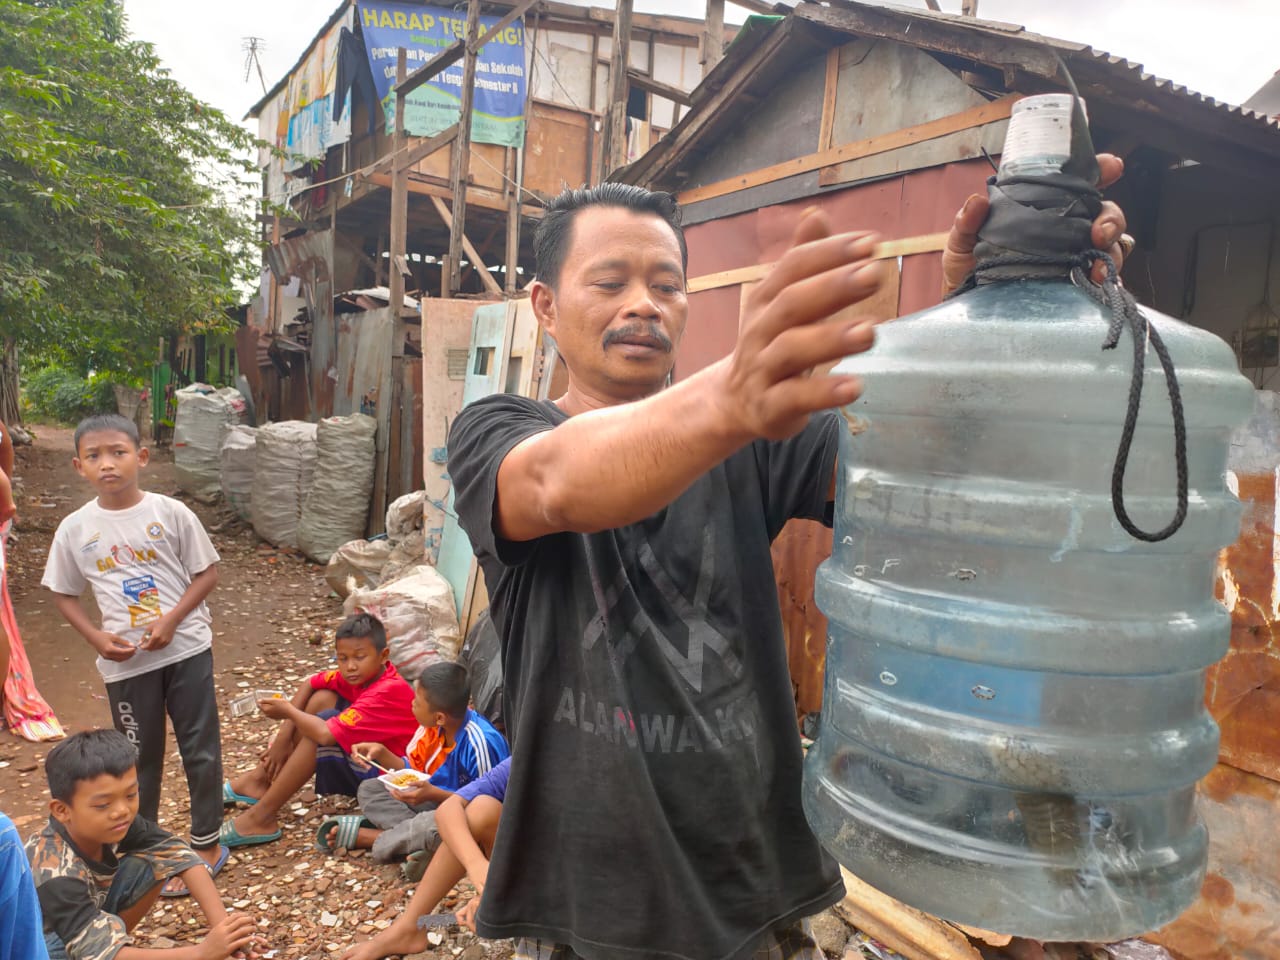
column 1235, row 917
column 921, row 202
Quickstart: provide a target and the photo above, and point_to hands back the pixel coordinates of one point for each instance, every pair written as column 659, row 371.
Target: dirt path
column 273, row 616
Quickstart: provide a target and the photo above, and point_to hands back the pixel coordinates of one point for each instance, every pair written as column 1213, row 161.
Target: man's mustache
column 631, row 330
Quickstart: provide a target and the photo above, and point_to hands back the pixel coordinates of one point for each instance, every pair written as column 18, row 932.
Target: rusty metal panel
column 802, row 545
column 1238, row 914
column 1243, row 691
column 1236, row 917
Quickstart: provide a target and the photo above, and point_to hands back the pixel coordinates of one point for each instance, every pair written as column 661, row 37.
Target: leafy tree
column 124, row 209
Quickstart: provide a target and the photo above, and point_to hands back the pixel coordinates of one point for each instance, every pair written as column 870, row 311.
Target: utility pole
column 613, row 152
column 462, row 154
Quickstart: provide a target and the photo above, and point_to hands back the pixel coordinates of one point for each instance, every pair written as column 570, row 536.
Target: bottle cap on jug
column 1038, row 142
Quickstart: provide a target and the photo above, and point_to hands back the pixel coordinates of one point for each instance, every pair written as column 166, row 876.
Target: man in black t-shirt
column 653, row 811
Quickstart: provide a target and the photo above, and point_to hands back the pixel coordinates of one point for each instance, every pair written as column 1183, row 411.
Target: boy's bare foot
column 364, row 839
column 250, row 824
column 396, row 939
column 177, row 887
column 252, row 784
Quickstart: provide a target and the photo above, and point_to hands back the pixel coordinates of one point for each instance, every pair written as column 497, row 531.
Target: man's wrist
column 727, row 422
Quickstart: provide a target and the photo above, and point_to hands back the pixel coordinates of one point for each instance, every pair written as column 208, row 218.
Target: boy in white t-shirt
column 151, row 566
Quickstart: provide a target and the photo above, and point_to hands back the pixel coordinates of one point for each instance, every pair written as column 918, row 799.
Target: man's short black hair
column 447, row 687
column 85, row 755
column 363, row 625
column 552, row 238
column 101, row 422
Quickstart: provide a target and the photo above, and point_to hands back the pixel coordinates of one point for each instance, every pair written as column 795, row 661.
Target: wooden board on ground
column 915, row 935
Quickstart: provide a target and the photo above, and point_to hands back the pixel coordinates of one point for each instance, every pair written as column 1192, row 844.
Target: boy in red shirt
column 363, row 700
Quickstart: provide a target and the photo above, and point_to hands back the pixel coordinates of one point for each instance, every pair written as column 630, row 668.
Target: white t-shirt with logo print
column 140, row 562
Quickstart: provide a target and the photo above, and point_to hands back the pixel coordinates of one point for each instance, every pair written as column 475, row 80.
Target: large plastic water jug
column 1013, row 721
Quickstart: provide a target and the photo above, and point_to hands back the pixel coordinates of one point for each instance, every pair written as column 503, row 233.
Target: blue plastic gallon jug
column 1014, row 720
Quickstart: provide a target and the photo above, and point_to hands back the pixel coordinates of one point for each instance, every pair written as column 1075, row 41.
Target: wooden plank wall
column 446, row 326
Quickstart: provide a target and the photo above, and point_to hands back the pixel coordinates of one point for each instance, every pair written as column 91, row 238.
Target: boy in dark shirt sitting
column 98, row 867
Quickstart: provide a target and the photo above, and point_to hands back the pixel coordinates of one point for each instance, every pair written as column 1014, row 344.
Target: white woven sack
column 418, row 613
column 283, row 470
column 239, row 452
column 405, row 515
column 358, row 563
column 337, row 507
column 203, row 417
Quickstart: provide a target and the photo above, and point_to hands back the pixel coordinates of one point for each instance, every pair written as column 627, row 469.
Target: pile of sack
column 204, row 417
column 388, row 578
column 269, row 477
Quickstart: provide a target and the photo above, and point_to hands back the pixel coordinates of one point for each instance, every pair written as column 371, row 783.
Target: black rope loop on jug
column 1124, row 311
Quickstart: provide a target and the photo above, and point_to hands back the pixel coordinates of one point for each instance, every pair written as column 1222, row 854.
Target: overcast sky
column 1224, row 48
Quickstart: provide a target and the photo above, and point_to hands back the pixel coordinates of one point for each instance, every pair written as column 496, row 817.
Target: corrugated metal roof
column 1013, row 31
column 1104, row 78
column 1266, row 100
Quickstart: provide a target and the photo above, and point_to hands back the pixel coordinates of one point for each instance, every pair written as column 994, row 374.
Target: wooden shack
column 332, row 155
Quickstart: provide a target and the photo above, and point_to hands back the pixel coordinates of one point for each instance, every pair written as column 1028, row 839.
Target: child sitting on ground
column 455, row 745
column 468, row 822
column 365, row 700
column 98, row 867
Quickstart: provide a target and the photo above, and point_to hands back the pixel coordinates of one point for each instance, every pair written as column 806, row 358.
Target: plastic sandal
column 348, row 831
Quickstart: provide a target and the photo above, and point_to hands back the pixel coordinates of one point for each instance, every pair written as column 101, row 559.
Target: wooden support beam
column 888, row 250
column 973, row 117
column 713, row 105
column 476, row 196
column 456, row 50
column 512, row 258
column 711, row 43
column 969, row 8
column 455, row 263
column 755, row 6
column 915, row 935
column 647, row 83
column 399, row 200
column 613, row 151
column 417, row 153
column 827, row 125
column 458, row 170
column 933, row 5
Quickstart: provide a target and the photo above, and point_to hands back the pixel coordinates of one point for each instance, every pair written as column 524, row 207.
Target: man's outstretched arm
column 615, row 466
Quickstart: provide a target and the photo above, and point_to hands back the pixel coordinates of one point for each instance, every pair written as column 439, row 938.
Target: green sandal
column 229, row 836
column 348, row 831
